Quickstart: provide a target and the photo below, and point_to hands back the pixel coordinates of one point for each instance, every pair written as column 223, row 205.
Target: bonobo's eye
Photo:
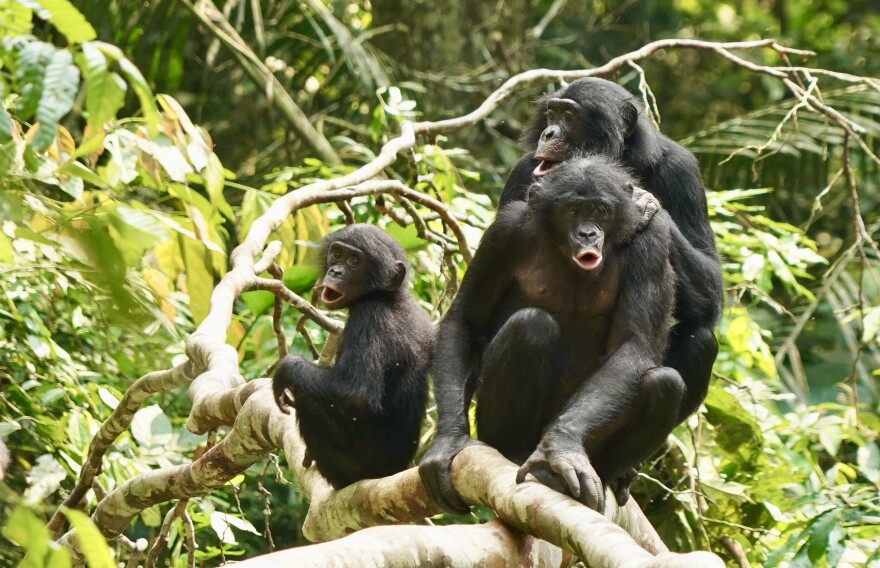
column 573, row 212
column 354, row 261
column 335, row 254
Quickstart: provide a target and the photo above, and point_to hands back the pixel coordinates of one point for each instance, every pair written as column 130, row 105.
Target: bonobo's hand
column 646, row 204
column 563, row 465
column 434, row 469
column 620, row 486
column 280, row 386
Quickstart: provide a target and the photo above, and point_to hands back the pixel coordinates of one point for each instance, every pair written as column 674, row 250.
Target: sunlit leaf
column 92, row 544
column 60, row 85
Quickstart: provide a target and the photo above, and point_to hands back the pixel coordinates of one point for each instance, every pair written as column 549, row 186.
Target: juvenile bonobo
column 597, row 116
column 361, row 418
column 559, row 329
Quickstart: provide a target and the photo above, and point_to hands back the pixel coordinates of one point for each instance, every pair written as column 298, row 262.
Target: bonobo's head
column 589, row 115
column 357, row 261
column 585, row 206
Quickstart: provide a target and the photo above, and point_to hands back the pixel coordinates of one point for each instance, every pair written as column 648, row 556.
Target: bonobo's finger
column 438, row 483
column 307, row 460
column 593, row 495
column 523, row 471
column 570, row 476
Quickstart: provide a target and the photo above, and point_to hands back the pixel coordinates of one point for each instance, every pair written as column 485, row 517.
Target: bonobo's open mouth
column 588, row 260
column 331, row 295
column 544, row 168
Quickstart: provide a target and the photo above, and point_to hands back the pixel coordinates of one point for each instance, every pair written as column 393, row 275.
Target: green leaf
column 76, row 169
column 214, row 180
column 258, row 301
column 33, row 58
column 199, row 277
column 26, row 530
column 151, row 427
column 105, row 91
column 91, row 542
column 300, row 278
column 16, row 18
column 67, row 20
column 818, row 541
column 59, row 90
column 134, row 231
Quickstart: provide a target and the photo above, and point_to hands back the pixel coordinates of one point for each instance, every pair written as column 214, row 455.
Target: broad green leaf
column 151, row 427
column 214, row 180
column 300, row 278
column 5, row 119
column 29, row 532
column 105, row 90
column 258, row 301
column 59, row 90
column 199, row 278
column 68, row 20
column 6, row 251
column 33, row 58
column 91, row 542
column 76, row 169
column 818, row 541
column 16, row 18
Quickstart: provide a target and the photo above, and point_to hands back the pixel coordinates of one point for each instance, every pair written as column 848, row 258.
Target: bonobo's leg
column 648, row 423
column 519, row 367
column 692, row 352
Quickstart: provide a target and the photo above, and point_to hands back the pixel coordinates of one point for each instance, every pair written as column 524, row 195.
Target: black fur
column 361, row 418
column 608, row 119
column 559, row 329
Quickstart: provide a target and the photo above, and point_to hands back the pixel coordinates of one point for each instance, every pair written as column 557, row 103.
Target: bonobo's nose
column 589, row 233
column 550, row 133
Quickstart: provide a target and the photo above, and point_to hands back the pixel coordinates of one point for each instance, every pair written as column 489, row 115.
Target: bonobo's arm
column 460, row 341
column 351, row 383
column 636, row 343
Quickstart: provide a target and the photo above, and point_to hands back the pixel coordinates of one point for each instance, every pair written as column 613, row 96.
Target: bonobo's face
column 585, row 223
column 589, row 115
column 346, row 276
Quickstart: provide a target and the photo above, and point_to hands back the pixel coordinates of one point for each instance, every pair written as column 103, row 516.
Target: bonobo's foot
column 646, row 204
column 563, row 465
column 434, row 469
column 620, row 486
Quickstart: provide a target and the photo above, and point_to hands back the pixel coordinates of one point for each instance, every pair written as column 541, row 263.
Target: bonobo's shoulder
column 510, row 220
column 675, row 155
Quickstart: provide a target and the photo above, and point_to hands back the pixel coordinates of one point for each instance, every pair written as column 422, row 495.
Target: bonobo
column 597, row 116
column 361, row 418
column 559, row 329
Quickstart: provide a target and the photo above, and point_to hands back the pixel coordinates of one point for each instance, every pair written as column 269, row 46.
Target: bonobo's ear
column 395, row 276
column 630, row 117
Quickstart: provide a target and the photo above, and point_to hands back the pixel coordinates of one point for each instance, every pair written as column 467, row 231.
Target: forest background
column 140, row 141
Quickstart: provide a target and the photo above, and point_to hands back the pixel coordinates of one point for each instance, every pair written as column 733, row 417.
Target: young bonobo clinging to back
column 361, row 418
column 559, row 329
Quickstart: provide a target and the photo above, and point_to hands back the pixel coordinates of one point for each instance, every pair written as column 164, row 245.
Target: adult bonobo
column 597, row 116
column 361, row 418
column 559, row 329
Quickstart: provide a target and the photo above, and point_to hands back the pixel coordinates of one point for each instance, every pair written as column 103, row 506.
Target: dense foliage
column 118, row 206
